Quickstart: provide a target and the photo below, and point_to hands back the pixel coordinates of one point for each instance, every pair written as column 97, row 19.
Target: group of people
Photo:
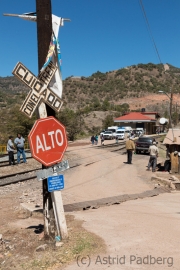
column 136, row 133
column 94, row 139
column 17, row 144
column 153, row 150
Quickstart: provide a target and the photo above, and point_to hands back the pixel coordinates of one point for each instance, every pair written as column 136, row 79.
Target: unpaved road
column 105, row 174
column 145, row 233
column 131, row 230
column 134, row 230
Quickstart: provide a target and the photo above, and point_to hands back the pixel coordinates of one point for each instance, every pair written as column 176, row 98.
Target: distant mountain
column 113, row 91
column 133, row 81
column 114, row 86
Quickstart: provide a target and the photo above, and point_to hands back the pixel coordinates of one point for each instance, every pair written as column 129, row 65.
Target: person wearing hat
column 130, row 147
column 10, row 149
column 154, row 151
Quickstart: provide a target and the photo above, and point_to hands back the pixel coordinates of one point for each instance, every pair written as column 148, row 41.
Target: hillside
column 117, row 86
column 115, row 91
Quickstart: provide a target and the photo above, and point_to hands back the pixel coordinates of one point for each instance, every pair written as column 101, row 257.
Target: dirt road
column 143, row 233
column 140, row 234
column 105, row 174
column 136, row 232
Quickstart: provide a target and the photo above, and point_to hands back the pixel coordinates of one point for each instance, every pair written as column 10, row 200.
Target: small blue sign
column 55, row 182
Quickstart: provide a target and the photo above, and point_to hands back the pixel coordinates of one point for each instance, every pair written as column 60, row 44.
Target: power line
column 149, row 30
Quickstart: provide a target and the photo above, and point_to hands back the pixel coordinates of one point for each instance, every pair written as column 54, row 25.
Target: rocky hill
column 115, row 91
column 117, row 86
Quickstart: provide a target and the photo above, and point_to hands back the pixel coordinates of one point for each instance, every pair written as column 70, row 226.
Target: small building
column 146, row 120
column 172, row 142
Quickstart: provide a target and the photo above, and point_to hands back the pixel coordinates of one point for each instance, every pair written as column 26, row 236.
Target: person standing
column 102, row 139
column 116, row 138
column 92, row 140
column 130, row 147
column 154, row 151
column 10, row 149
column 96, row 139
column 19, row 142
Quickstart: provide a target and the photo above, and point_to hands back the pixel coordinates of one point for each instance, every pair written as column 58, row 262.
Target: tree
column 96, row 105
column 105, row 105
column 15, row 122
column 175, row 117
column 72, row 121
column 108, row 121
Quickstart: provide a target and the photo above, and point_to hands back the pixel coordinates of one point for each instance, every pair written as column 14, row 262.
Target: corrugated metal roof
column 172, row 137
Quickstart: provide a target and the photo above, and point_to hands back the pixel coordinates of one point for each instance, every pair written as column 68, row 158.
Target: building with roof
column 146, row 120
column 172, row 142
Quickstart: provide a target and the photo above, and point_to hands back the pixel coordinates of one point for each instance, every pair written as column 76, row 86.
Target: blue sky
column 103, row 35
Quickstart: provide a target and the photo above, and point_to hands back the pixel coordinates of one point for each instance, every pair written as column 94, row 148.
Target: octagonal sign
column 48, row 141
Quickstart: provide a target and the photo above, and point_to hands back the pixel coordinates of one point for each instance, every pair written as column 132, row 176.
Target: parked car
column 113, row 129
column 143, row 143
column 123, row 133
column 108, row 135
column 102, row 132
column 120, row 134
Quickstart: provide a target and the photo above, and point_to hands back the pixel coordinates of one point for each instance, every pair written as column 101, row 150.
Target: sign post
column 56, row 182
column 45, row 94
column 44, row 32
column 48, row 142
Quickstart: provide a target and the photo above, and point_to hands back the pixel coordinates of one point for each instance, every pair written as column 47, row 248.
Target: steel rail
column 2, row 178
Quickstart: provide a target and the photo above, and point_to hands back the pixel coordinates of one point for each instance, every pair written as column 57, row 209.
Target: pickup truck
column 143, row 143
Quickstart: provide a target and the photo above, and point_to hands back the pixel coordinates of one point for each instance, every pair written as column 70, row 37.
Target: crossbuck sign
column 39, row 88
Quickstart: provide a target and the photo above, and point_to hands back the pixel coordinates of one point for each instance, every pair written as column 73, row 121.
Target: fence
column 3, row 148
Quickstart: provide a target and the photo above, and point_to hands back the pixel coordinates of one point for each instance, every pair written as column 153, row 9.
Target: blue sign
column 55, row 182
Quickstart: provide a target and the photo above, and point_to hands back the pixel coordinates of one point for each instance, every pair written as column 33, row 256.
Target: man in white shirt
column 19, row 142
column 154, row 151
column 10, row 149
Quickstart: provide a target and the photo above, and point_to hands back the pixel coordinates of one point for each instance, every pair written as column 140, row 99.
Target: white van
column 120, row 134
column 123, row 133
column 113, row 129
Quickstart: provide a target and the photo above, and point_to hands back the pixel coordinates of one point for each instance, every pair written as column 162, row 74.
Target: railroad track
column 6, row 163
column 30, row 174
column 6, row 155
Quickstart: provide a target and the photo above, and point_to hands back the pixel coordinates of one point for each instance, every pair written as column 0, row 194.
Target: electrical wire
column 149, row 30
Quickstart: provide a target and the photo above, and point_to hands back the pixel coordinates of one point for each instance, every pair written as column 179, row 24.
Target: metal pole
column 44, row 32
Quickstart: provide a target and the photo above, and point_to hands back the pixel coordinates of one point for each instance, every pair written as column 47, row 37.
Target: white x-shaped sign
column 39, row 88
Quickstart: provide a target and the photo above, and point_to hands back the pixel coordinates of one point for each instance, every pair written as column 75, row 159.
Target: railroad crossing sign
column 39, row 88
column 48, row 141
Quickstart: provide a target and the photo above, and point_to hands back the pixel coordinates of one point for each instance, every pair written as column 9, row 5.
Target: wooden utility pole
column 171, row 101
column 177, row 115
column 44, row 32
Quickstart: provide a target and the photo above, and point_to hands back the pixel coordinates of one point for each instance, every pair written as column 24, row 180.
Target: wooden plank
column 174, row 163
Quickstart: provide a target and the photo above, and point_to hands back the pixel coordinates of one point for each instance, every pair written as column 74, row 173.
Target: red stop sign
column 48, row 141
